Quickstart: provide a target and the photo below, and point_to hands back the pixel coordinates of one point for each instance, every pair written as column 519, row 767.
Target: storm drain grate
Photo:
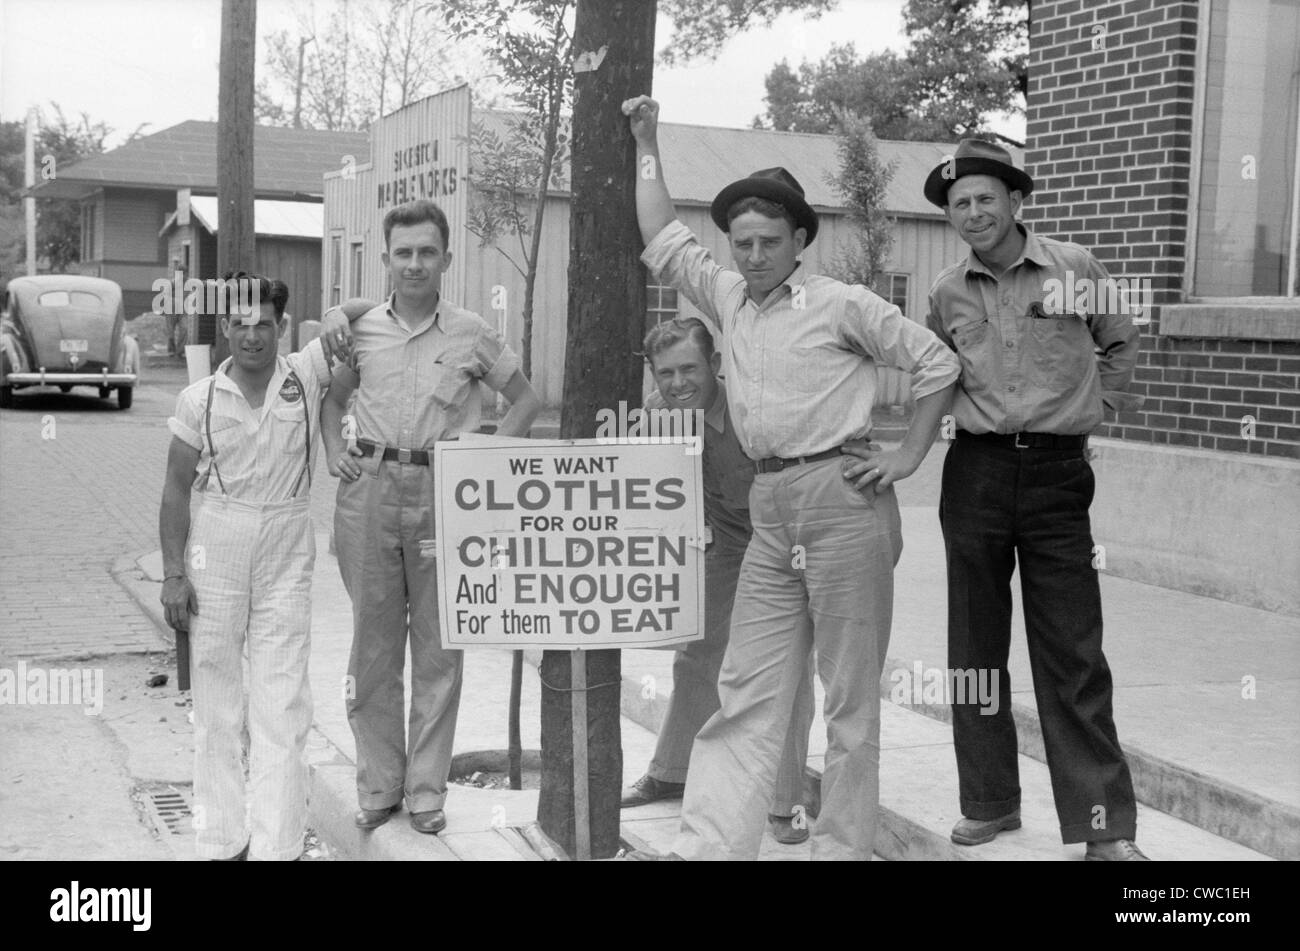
column 170, row 808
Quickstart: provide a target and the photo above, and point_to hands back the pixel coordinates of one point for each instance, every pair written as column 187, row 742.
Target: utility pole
column 614, row 49
column 297, row 83
column 235, row 185
column 29, row 179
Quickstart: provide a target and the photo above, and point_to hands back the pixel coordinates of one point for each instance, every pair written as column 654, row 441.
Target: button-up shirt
column 728, row 472
column 260, row 453
column 800, row 366
column 422, row 385
column 1036, row 353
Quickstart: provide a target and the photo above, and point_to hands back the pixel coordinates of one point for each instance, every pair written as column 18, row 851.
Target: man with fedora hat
column 1036, row 372
column 798, row 355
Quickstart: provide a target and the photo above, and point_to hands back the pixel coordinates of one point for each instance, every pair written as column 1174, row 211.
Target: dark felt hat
column 774, row 184
column 975, row 157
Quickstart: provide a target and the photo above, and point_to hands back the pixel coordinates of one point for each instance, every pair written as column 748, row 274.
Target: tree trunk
column 606, row 308
column 235, row 185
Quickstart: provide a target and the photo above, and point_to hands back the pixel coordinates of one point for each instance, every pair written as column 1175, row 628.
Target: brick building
column 1162, row 134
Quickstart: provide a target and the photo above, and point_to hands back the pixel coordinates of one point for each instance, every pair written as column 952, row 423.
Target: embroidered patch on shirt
column 290, row 392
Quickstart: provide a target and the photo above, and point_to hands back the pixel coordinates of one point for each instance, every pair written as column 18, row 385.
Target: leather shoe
column 979, row 831
column 374, row 818
column 648, row 789
column 1114, row 850
column 786, row 831
column 430, row 823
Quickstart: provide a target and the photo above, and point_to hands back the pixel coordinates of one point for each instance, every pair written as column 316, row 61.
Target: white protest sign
column 569, row 544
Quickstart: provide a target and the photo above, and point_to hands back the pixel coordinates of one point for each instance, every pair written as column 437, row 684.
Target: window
column 660, row 305
column 1249, row 185
column 336, row 269
column 893, row 287
column 88, row 231
column 358, row 261
column 185, row 257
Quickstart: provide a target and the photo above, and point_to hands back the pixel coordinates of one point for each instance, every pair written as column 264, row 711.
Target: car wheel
column 124, row 396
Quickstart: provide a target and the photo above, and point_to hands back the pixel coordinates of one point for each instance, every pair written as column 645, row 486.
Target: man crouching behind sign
column 420, row 365
column 685, row 368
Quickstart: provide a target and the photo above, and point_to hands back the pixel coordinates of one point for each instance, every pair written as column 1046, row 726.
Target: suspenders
column 212, row 448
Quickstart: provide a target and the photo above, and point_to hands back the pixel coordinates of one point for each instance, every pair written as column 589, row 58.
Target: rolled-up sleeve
column 877, row 329
column 676, row 256
column 494, row 362
column 184, row 425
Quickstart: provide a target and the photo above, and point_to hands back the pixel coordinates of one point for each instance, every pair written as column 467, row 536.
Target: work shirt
column 728, row 472
column 800, row 367
column 423, row 385
column 1028, row 340
column 260, row 453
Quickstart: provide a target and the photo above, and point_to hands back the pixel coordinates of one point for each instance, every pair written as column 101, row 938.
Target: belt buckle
column 404, row 456
column 1017, row 443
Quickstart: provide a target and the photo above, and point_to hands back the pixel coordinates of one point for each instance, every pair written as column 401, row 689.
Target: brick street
column 80, row 482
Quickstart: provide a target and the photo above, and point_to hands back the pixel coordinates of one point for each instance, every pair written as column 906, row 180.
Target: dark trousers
column 1000, row 503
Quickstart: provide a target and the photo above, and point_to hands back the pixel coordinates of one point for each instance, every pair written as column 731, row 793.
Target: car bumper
column 42, row 378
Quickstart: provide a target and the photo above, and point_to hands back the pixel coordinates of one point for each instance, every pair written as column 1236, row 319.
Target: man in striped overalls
column 239, row 576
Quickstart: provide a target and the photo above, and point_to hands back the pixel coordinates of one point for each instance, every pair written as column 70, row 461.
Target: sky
column 153, row 63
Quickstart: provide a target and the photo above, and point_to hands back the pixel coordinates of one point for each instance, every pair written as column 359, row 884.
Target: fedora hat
column 774, row 184
column 975, row 157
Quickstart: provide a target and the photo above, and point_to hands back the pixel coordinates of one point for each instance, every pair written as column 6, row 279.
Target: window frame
column 1284, row 304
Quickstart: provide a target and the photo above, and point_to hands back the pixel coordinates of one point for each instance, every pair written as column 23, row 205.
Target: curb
column 1220, row 808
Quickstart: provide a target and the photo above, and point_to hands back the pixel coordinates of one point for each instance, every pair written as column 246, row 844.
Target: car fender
column 16, row 358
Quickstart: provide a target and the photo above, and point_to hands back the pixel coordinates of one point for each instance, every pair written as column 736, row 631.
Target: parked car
column 66, row 330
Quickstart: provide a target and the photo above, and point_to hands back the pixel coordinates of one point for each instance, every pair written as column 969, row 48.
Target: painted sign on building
column 419, row 151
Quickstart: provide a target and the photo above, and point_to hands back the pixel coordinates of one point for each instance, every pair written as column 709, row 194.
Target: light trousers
column 250, row 564
column 695, row 686
column 384, row 533
column 818, row 573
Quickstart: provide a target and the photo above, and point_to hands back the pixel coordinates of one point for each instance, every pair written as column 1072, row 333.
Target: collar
column 278, row 376
column 423, row 324
column 1033, row 252
column 716, row 414
column 798, row 277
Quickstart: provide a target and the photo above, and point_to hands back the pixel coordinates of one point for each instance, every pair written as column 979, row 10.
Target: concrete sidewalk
column 1207, row 697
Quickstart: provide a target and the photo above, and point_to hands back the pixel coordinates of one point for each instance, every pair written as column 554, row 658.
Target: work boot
column 979, row 831
column 1114, row 850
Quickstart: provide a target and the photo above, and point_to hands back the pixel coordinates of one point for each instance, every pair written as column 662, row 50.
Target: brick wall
column 1110, row 149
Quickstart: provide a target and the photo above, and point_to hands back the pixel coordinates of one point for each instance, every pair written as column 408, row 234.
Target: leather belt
column 776, row 464
column 1027, row 440
column 416, row 457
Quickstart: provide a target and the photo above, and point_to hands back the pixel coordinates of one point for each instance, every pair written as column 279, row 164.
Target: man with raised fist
column 799, row 354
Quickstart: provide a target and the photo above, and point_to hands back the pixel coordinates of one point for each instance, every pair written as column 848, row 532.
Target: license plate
column 74, row 346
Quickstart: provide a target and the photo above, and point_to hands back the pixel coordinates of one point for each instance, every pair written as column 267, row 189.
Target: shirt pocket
column 1062, row 358
column 452, row 379
column 974, row 345
column 290, row 417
